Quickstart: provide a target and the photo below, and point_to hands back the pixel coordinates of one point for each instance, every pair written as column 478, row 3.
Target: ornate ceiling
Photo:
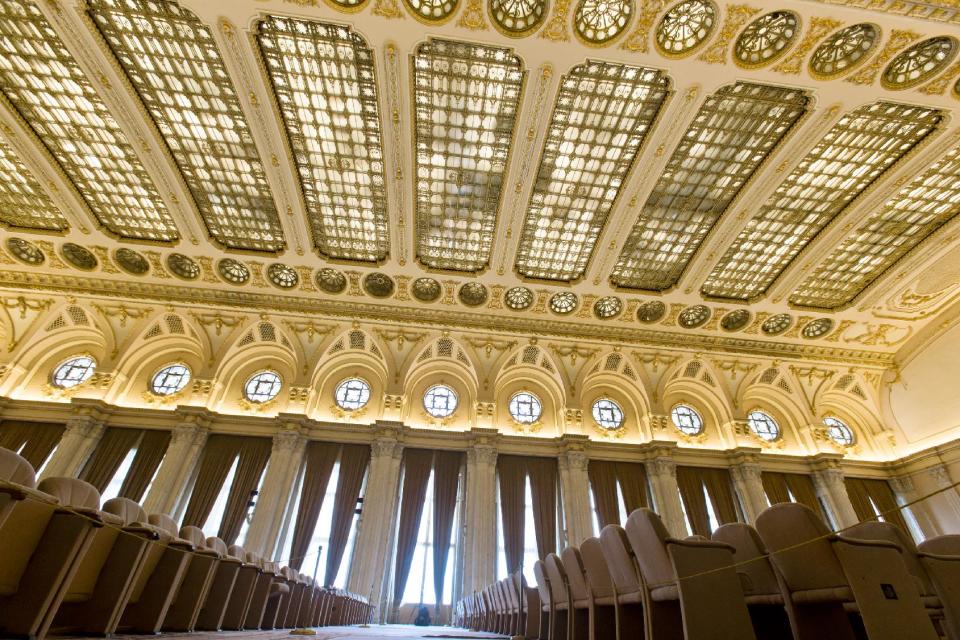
column 719, row 175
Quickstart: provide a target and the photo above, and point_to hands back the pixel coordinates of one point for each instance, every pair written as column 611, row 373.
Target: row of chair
column 69, row 565
column 501, row 608
column 788, row 577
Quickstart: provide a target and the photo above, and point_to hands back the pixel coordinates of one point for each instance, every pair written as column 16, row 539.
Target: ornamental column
column 832, row 491
column 575, row 485
column 377, row 527
column 906, row 492
column 662, row 473
column 480, row 518
column 747, row 477
column 186, row 444
column 286, row 460
column 83, row 431
column 948, row 510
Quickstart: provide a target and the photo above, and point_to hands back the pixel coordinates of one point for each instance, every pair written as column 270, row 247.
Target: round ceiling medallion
column 817, row 328
column 518, row 298
column 473, row 294
column 563, row 302
column 517, row 17
column 284, row 276
column 182, row 266
column 775, row 325
column 693, row 317
column 844, row 50
column 233, row 271
column 735, row 320
column 331, row 280
column 131, row 261
column 685, row 27
column 919, row 63
column 650, row 312
column 78, row 256
column 379, row 285
column 766, row 38
column 607, row 307
column 26, row 251
column 432, row 10
column 425, row 289
column 599, row 21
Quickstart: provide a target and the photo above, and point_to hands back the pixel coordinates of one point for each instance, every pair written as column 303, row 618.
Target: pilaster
column 948, row 513
column 747, row 476
column 662, row 473
column 479, row 554
column 186, row 443
column 832, row 491
column 906, row 492
column 83, row 431
column 575, row 485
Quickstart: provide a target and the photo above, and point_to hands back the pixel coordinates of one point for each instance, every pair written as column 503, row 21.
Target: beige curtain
column 720, row 488
column 254, row 454
column 775, row 486
column 113, row 447
column 603, row 483
column 417, row 464
column 215, row 462
column 690, row 482
column 319, row 460
column 37, row 439
column 633, row 484
column 153, row 446
column 863, row 490
column 543, row 486
column 354, row 459
column 446, row 484
column 511, row 473
column 801, row 486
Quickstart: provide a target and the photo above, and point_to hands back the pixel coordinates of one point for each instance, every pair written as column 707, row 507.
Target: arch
column 612, row 375
column 353, row 353
column 781, row 402
column 442, row 361
column 530, row 368
column 855, row 411
column 694, row 382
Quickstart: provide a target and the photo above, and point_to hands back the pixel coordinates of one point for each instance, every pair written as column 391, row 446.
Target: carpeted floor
column 371, row 632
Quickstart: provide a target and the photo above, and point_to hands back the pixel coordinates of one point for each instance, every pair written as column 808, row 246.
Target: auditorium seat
column 627, row 581
column 261, row 592
column 218, row 598
column 761, row 588
column 183, row 613
column 826, row 575
column 42, row 542
column 560, row 594
column 692, row 589
column 109, row 568
column 601, row 588
column 590, row 621
column 17, row 481
column 548, row 626
column 235, row 615
column 276, row 601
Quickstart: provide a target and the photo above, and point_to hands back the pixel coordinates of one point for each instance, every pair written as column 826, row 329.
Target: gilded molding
column 472, row 17
column 387, row 9
column 639, row 39
column 819, row 28
column 557, row 27
column 736, row 17
column 899, row 38
column 938, row 86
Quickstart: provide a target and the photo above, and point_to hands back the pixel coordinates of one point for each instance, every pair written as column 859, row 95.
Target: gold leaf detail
column 737, row 16
column 898, row 40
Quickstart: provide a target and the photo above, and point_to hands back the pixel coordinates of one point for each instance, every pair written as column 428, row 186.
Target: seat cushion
column 16, row 469
column 71, row 492
column 665, row 593
column 830, row 594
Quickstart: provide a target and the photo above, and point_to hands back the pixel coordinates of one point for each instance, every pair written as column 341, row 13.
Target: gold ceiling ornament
column 899, row 38
column 919, row 63
column 686, row 27
column 638, row 39
column 394, row 103
column 557, row 27
column 736, row 16
column 331, row 116
column 598, row 22
column 766, row 39
column 122, row 312
column 103, row 255
column 818, row 28
column 880, row 335
column 939, row 86
column 517, row 18
column 432, row 11
column 387, row 9
column 839, row 331
column 472, row 17
column 845, row 50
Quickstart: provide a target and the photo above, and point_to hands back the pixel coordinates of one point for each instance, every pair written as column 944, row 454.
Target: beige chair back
column 948, row 545
column 890, row 532
column 543, row 582
column 595, row 566
column 127, row 510
column 557, row 577
column 576, row 576
column 71, row 492
column 194, row 535
column 218, row 545
column 163, row 522
column 16, row 469
column 648, row 537
column 620, row 561
column 798, row 541
column 747, row 545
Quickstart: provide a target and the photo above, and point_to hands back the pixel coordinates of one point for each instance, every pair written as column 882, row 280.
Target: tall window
column 213, row 521
column 116, row 482
column 530, row 553
column 419, row 587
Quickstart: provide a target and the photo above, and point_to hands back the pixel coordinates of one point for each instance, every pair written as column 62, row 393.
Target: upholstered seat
column 218, row 598
column 16, row 481
column 195, row 587
column 599, row 623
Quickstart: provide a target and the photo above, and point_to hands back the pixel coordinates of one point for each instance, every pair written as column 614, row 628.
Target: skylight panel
column 730, row 137
column 885, row 235
column 48, row 89
column 23, row 202
column 466, row 96
column 602, row 116
column 855, row 152
column 173, row 63
column 323, row 78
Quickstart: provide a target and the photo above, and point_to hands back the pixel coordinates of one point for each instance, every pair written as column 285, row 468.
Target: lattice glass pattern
column 517, row 17
column 602, row 116
column 47, row 87
column 733, row 133
column 686, row 26
column 844, row 50
column 173, row 63
column 23, row 202
column 855, row 152
column 885, row 235
column 467, row 96
column 599, row 21
column 323, row 78
column 766, row 38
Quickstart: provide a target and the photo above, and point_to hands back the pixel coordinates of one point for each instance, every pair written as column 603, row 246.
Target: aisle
column 371, row 632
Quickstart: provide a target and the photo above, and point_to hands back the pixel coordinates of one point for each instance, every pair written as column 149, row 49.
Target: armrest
column 180, row 543
column 866, row 543
column 937, row 556
column 700, row 543
column 144, row 532
column 231, row 560
column 90, row 514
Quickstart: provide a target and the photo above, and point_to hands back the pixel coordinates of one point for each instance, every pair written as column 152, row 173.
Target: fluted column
column 286, row 460
column 80, row 438
column 575, row 484
column 376, row 529
column 831, row 489
column 747, row 479
column 170, row 483
column 480, row 518
column 662, row 473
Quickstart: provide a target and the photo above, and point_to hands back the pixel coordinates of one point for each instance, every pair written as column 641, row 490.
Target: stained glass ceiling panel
column 602, row 116
column 324, row 81
column 466, row 96
column 173, row 63
column 46, row 86
column 23, row 202
column 730, row 137
column 885, row 235
column 855, row 152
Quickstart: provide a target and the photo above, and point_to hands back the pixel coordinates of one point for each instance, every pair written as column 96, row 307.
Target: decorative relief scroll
column 899, row 39
column 818, row 29
column 737, row 16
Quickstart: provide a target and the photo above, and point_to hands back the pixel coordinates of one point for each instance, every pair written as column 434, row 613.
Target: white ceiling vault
column 785, row 173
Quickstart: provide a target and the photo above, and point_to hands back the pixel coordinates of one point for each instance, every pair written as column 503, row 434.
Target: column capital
column 288, row 440
column 384, row 447
column 902, row 484
column 482, row 454
column 941, row 475
column 574, row 460
column 187, row 432
column 662, row 465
